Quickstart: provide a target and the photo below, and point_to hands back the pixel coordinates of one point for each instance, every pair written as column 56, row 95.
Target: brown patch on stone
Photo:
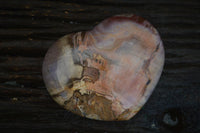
column 91, row 74
column 90, row 105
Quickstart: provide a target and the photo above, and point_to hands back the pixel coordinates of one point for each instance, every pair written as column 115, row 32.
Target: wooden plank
column 29, row 28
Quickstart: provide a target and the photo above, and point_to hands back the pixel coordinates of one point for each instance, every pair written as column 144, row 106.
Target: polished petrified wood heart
column 107, row 73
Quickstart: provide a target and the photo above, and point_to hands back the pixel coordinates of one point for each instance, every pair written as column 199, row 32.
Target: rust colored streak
column 91, row 73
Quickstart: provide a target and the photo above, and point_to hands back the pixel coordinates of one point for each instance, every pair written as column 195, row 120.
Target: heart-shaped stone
column 107, row 73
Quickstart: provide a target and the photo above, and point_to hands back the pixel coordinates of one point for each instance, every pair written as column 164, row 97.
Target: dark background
column 29, row 27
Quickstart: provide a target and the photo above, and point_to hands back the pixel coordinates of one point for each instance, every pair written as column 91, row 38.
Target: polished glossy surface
column 107, row 73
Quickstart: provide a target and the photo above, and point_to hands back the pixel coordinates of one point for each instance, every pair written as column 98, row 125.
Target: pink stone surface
column 113, row 68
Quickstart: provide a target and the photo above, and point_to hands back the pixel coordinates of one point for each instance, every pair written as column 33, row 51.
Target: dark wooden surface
column 29, row 27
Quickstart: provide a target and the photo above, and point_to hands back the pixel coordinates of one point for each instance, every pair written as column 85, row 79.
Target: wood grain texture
column 28, row 28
